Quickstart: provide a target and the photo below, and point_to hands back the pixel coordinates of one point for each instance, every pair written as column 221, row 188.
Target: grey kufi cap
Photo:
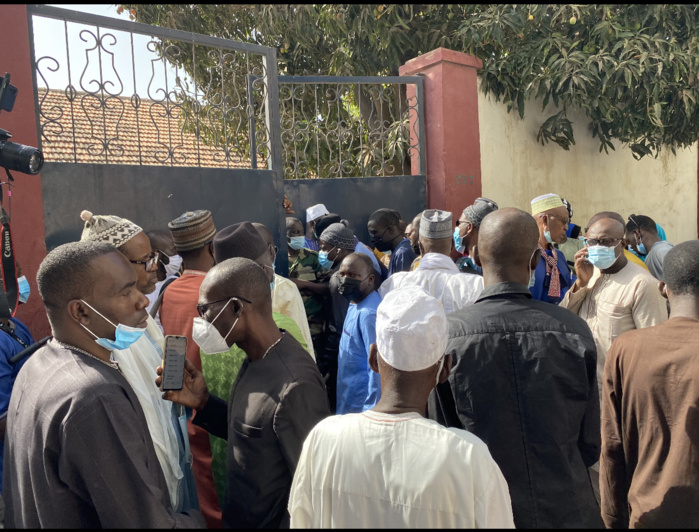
column 339, row 235
column 435, row 224
column 480, row 208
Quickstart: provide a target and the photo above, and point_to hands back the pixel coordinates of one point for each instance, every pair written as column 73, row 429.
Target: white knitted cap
column 411, row 329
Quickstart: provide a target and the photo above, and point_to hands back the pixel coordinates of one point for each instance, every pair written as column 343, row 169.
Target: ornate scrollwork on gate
column 346, row 127
column 156, row 98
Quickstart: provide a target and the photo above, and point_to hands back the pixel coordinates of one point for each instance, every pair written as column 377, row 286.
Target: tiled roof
column 148, row 127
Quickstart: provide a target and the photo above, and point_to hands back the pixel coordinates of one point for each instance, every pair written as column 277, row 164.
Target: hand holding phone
column 583, row 269
column 173, row 362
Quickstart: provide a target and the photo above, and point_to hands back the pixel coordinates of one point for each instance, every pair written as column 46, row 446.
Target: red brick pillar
column 451, row 124
column 27, row 221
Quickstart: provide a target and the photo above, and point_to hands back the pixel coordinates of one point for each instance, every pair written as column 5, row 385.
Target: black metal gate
column 147, row 122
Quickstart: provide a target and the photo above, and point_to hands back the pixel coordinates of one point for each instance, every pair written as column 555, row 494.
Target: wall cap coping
column 439, row 55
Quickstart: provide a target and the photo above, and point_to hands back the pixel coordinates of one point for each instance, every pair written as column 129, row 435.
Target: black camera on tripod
column 13, row 156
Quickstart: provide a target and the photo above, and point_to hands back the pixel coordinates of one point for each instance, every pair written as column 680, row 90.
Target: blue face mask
column 642, row 248
column 124, row 335
column 601, row 257
column 547, row 236
column 296, row 242
column 458, row 241
column 325, row 262
column 23, row 287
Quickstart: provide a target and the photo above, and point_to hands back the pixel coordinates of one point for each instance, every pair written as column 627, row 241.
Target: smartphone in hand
column 173, row 362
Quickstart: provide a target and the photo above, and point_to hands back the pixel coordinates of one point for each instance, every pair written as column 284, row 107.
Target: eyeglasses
column 606, row 242
column 204, row 307
column 564, row 221
column 150, row 263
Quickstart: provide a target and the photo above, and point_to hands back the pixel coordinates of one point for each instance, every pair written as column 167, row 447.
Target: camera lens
column 21, row 158
column 36, row 161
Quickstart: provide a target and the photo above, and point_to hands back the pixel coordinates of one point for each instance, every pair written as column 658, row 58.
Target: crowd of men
column 504, row 369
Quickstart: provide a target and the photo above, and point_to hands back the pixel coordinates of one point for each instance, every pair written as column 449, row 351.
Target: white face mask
column 207, row 336
column 174, row 266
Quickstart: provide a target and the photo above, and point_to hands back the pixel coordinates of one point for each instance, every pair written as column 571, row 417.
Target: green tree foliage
column 630, row 69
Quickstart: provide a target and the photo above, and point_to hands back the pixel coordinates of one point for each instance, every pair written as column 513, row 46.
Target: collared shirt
column 649, row 468
column 656, row 257
column 615, row 303
column 440, row 278
column 524, row 382
column 358, row 387
column 378, row 471
column 274, row 404
column 401, row 258
column 286, row 299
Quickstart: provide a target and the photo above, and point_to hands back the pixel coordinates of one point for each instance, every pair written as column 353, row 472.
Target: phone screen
column 173, row 362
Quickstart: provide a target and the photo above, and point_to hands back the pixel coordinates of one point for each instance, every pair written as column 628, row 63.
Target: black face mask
column 378, row 243
column 351, row 288
column 416, row 248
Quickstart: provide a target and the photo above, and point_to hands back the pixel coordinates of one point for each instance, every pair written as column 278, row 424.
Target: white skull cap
column 411, row 329
column 315, row 212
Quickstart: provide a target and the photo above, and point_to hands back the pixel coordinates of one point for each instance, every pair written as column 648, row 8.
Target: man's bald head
column 605, row 214
column 507, row 238
column 361, row 262
column 606, row 227
column 238, row 277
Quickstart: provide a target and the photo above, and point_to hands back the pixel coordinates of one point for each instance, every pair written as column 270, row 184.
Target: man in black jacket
column 524, row 382
column 277, row 397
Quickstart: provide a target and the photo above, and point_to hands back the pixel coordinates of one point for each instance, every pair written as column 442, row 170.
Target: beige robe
column 613, row 304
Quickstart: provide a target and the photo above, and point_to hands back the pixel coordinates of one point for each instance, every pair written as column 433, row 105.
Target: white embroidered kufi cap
column 411, row 329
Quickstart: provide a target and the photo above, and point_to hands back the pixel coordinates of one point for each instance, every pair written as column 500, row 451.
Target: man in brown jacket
column 649, row 466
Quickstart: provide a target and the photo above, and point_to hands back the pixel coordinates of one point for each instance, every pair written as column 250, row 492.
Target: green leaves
column 631, row 70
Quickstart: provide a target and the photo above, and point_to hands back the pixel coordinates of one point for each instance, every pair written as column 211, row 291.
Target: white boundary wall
column 516, row 168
